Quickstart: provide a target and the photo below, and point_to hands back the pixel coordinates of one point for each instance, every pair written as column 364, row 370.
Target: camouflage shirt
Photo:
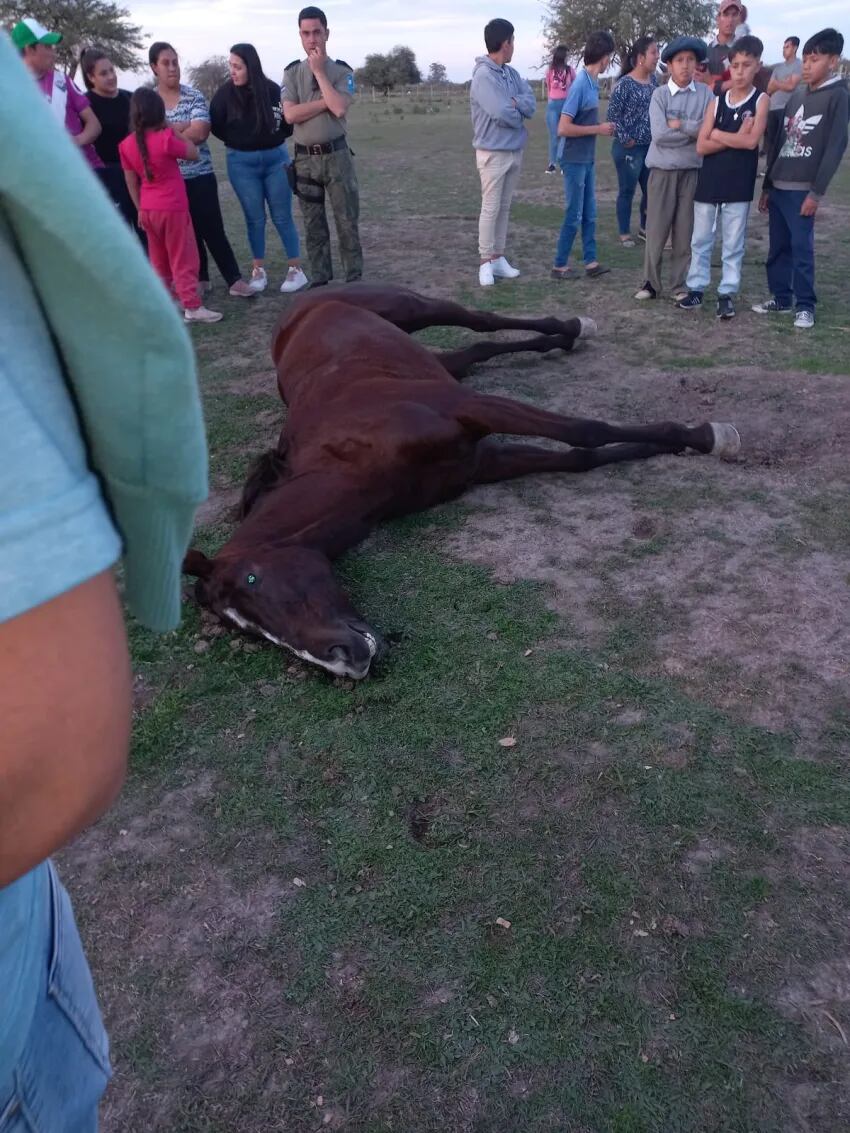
column 300, row 85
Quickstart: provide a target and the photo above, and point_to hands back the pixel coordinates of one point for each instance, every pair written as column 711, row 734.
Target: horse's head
column 288, row 595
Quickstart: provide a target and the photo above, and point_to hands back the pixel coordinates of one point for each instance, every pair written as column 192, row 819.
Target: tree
column 82, row 23
column 403, row 67
column 627, row 20
column 396, row 69
column 437, row 74
column 209, row 75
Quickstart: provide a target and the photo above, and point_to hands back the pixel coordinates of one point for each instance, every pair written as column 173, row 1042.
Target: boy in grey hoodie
column 800, row 165
column 500, row 102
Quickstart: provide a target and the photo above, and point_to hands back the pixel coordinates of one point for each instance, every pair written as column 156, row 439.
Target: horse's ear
column 197, row 563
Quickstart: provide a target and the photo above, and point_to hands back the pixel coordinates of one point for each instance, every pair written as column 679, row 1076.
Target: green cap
column 29, row 32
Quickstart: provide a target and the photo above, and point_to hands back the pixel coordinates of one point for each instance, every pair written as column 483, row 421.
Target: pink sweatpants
column 173, row 252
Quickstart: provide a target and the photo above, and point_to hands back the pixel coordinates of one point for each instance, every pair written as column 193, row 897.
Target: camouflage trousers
column 331, row 175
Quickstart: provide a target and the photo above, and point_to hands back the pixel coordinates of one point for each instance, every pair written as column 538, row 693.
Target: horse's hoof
column 588, row 327
column 727, row 440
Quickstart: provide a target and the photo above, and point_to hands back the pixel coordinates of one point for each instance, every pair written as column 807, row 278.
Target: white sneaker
column 202, row 315
column 502, row 269
column 486, row 275
column 295, row 280
column 259, row 280
column 804, row 320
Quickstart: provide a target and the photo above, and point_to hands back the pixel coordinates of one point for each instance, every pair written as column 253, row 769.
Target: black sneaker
column 725, row 307
column 550, row 168
column 691, row 301
column 646, row 292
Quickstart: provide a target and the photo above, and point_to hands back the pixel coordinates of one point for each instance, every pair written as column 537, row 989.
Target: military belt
column 322, row 147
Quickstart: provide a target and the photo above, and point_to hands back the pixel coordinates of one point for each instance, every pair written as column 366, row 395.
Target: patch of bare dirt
column 181, row 946
column 218, row 507
column 714, row 561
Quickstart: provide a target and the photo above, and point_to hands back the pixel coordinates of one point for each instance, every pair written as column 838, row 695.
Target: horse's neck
column 323, row 510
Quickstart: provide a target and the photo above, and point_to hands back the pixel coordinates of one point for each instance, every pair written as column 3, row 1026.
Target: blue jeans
column 631, row 172
column 791, row 258
column 731, row 219
column 580, row 193
column 64, row 1068
column 553, row 117
column 258, row 177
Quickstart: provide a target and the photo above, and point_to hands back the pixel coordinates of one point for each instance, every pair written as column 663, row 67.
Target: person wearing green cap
column 37, row 46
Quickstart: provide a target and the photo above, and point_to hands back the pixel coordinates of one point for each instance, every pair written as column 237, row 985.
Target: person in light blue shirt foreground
column 103, row 456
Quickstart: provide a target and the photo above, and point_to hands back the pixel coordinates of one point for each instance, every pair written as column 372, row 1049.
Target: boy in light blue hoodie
column 500, row 102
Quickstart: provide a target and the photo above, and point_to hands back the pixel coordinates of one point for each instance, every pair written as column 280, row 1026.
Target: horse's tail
column 266, row 471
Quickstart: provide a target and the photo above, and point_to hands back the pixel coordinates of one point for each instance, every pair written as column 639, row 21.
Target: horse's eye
column 251, row 579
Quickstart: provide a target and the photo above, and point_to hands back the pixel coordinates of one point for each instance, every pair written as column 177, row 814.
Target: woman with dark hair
column 186, row 110
column 559, row 79
column 245, row 114
column 628, row 109
column 112, row 107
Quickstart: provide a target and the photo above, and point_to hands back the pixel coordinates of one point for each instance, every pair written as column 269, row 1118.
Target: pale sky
column 443, row 31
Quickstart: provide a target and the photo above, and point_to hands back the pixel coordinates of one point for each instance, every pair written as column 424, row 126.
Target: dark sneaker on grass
column 691, row 301
column 725, row 307
column 771, row 307
column 646, row 292
column 550, row 168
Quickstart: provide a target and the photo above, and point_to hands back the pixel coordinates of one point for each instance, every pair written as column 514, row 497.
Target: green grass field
column 321, row 905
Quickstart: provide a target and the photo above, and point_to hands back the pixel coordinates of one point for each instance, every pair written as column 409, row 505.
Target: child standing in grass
column 579, row 126
column 676, row 112
column 729, row 140
column 149, row 157
column 803, row 161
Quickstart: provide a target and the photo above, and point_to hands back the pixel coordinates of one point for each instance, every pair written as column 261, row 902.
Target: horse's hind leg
column 459, row 362
column 496, row 461
column 482, row 414
column 412, row 312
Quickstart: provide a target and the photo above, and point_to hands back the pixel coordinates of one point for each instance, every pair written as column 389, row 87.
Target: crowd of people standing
column 687, row 125
column 150, row 151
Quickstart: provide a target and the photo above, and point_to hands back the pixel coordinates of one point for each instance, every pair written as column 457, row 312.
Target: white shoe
column 502, row 269
column 202, row 315
column 486, row 275
column 259, row 280
column 295, row 280
column 804, row 320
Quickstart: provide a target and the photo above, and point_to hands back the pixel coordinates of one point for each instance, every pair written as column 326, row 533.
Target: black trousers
column 112, row 179
column 209, row 228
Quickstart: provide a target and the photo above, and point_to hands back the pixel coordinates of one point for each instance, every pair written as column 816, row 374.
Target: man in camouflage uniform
column 316, row 95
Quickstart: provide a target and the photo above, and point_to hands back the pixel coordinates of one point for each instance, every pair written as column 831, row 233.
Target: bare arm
column 196, row 131
column 750, row 134
column 568, row 129
column 65, row 703
column 295, row 112
column 91, row 127
column 706, row 143
column 132, row 180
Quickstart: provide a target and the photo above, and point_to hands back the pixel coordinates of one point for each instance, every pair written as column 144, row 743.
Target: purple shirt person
column 37, row 46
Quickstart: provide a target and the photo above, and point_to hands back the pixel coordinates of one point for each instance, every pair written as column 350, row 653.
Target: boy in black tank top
column 729, row 142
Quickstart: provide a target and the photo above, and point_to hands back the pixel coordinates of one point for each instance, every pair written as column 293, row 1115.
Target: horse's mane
column 263, row 475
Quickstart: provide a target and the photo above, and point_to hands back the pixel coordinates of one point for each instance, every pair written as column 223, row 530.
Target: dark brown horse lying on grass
column 378, row 427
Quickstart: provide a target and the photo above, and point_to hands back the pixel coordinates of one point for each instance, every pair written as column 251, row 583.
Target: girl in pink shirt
column 149, row 157
column 559, row 79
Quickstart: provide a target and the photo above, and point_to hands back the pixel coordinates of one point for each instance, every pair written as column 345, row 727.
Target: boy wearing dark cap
column 676, row 115
column 800, row 166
